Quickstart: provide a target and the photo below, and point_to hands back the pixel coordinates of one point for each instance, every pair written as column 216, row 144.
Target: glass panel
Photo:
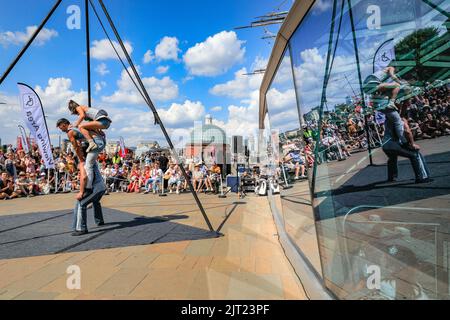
column 292, row 162
column 380, row 202
column 283, row 117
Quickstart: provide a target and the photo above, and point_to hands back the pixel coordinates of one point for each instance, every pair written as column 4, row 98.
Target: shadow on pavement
column 46, row 233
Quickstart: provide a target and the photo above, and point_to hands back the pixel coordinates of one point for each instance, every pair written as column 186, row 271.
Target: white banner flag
column 24, row 139
column 36, row 123
column 25, row 145
column 384, row 55
column 122, row 148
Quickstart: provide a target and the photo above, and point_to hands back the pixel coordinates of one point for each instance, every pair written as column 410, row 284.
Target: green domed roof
column 209, row 134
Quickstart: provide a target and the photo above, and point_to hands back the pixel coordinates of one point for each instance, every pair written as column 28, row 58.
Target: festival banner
column 24, row 139
column 34, row 117
column 123, row 151
column 19, row 143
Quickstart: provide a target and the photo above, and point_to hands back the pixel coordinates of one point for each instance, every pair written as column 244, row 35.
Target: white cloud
column 240, row 87
column 216, row 109
column 321, row 6
column 148, row 57
column 162, row 69
column 167, row 49
column 57, row 94
column 182, row 114
column 186, row 79
column 19, row 37
column 102, row 69
column 99, row 86
column 243, row 119
column 159, row 90
column 281, row 100
column 102, row 49
column 309, row 78
column 216, row 55
column 11, row 115
column 243, row 84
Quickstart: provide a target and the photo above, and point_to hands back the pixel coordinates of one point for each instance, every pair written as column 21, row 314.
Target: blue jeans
column 80, row 211
column 155, row 184
column 91, row 160
column 393, row 150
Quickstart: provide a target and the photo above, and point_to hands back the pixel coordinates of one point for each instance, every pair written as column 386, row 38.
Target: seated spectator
column 24, row 186
column 155, row 180
column 297, row 160
column 10, row 165
column 207, row 177
column 8, row 192
column 135, row 180
column 44, row 186
column 173, row 173
column 4, row 186
column 184, row 182
column 215, row 173
column 198, row 178
column 429, row 126
column 34, row 184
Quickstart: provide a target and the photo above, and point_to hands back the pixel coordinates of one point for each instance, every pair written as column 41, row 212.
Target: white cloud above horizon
column 162, row 69
column 19, row 37
column 167, row 49
column 102, row 49
column 148, row 57
column 102, row 69
column 163, row 89
column 215, row 56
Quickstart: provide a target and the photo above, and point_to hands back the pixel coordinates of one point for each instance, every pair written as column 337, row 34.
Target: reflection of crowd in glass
column 428, row 115
column 343, row 133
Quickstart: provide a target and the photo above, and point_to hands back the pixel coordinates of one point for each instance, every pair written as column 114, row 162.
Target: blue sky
column 190, row 59
column 188, row 75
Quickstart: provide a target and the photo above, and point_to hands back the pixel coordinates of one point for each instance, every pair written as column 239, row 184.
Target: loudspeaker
column 238, row 145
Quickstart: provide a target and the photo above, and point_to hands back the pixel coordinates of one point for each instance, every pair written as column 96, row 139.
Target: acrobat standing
column 89, row 175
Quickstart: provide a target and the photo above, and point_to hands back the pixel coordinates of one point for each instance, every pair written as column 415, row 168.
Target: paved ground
column 117, row 261
column 364, row 220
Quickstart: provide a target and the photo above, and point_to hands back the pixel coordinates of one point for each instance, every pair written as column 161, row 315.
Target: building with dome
column 208, row 143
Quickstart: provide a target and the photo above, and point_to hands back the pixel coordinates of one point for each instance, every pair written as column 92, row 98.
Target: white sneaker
column 178, row 192
column 92, row 146
column 170, row 191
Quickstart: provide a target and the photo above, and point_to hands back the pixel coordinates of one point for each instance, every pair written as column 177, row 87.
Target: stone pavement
column 246, row 263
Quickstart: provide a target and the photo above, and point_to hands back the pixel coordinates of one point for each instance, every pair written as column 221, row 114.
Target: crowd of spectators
column 24, row 174
column 156, row 173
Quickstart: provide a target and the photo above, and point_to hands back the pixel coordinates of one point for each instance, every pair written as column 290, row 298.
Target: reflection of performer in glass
column 398, row 141
column 298, row 161
column 379, row 82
